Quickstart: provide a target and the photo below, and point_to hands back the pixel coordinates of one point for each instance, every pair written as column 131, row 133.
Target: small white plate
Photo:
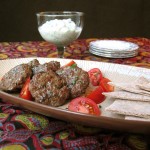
column 113, row 48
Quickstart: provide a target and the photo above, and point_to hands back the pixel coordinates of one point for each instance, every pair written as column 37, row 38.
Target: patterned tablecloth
column 21, row 129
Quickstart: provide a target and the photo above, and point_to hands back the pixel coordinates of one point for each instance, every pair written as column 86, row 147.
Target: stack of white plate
column 113, row 48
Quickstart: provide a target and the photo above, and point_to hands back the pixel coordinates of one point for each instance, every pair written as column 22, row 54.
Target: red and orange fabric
column 77, row 50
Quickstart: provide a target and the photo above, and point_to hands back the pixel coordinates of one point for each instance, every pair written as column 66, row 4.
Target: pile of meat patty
column 50, row 84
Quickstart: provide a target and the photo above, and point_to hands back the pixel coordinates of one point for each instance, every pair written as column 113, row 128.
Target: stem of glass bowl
column 60, row 52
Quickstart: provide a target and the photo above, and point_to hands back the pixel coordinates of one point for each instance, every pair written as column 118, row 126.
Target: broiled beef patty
column 34, row 63
column 48, row 88
column 52, row 65
column 76, row 78
column 15, row 78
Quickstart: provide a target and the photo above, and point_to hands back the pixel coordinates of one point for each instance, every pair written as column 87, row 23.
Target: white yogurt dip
column 60, row 32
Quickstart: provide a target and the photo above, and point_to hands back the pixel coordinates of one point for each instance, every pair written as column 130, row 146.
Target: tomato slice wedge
column 97, row 95
column 95, row 76
column 71, row 63
column 84, row 105
column 25, row 93
column 107, row 87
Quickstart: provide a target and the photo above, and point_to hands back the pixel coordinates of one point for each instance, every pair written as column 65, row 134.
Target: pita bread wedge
column 142, row 80
column 127, row 95
column 143, row 83
column 136, row 118
column 130, row 87
column 131, row 108
column 145, row 87
column 135, row 86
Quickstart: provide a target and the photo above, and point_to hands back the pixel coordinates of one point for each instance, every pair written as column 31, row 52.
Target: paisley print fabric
column 77, row 50
column 24, row 130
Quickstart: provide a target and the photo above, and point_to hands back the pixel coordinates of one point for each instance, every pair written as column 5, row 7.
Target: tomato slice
column 25, row 93
column 84, row 105
column 71, row 63
column 97, row 95
column 95, row 76
column 107, row 87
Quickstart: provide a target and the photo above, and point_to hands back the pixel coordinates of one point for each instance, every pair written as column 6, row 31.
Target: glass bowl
column 60, row 27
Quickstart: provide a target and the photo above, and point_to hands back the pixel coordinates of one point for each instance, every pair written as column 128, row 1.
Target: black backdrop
column 103, row 18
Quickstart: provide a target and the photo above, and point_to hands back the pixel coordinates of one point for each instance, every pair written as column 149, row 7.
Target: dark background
column 103, row 18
